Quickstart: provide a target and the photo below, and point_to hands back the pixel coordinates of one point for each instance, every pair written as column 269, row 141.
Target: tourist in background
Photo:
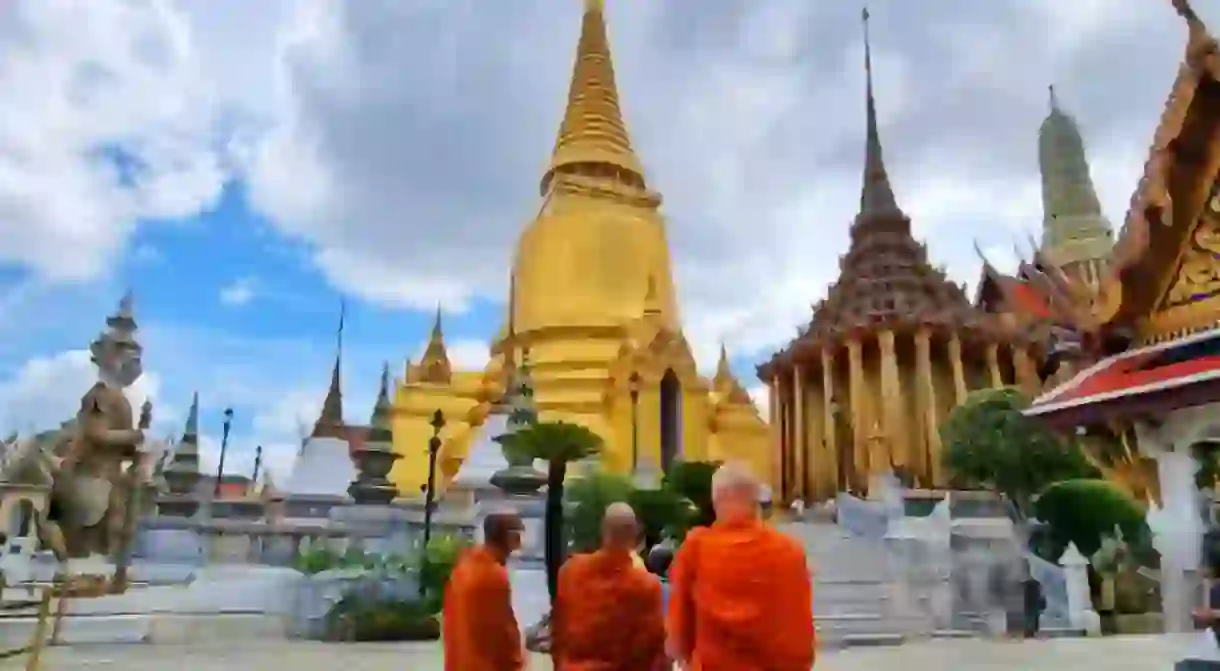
column 659, row 560
column 742, row 596
column 479, row 629
column 608, row 614
column 1035, row 602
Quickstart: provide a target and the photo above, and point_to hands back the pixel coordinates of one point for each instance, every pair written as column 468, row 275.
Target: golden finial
column 434, row 365
column 592, row 131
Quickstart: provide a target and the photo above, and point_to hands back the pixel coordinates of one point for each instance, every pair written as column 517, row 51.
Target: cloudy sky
column 242, row 165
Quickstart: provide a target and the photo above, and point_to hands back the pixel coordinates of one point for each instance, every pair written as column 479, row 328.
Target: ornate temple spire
column 876, row 193
column 1076, row 236
column 120, row 330
column 724, row 374
column 1071, row 209
column 592, row 131
column 434, row 366
column 181, row 472
column 191, row 433
column 725, row 383
column 379, row 422
column 330, row 421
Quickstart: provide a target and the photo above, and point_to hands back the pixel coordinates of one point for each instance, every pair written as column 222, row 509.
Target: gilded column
column 777, row 436
column 927, row 405
column 893, row 410
column 798, row 435
column 859, row 420
column 993, row 365
column 959, row 375
column 1027, row 377
column 829, row 422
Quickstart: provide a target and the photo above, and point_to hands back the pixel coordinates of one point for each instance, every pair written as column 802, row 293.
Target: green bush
column 587, row 500
column 661, row 512
column 357, row 617
column 436, row 565
column 1085, row 511
column 692, row 480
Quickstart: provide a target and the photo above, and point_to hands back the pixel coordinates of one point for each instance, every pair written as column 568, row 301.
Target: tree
column 661, row 512
column 588, row 498
column 558, row 444
column 1085, row 511
column 693, row 480
column 989, row 443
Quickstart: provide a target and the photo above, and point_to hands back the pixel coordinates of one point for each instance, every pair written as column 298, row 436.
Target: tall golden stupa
column 592, row 300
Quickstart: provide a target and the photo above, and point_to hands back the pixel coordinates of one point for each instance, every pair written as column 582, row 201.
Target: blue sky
column 245, row 166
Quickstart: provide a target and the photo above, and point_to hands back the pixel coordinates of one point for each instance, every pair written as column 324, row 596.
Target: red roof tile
column 1135, row 372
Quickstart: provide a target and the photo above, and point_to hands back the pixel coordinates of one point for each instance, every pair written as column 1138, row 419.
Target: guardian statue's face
column 119, row 364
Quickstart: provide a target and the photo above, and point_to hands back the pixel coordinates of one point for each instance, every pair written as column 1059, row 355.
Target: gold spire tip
column 595, row 5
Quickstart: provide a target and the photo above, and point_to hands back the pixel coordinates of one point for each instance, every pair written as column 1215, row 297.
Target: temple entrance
column 671, row 419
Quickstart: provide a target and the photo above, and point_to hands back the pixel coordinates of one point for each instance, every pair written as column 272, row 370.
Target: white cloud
column 47, row 390
column 756, row 143
column 107, row 121
column 239, row 293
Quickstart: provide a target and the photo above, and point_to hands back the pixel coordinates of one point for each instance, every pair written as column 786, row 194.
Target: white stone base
column 165, row 628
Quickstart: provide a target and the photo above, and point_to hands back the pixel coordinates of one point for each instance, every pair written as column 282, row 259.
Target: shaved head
column 620, row 529
column 502, row 531
column 735, row 492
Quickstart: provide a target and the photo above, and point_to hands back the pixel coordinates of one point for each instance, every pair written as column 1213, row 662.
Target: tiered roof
column 885, row 281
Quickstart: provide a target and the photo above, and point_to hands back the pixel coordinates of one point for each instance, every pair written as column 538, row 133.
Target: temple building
column 592, row 298
column 891, row 350
column 1055, row 288
column 1148, row 349
column 1076, row 236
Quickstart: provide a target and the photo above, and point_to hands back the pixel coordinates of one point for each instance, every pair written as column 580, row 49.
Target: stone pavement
column 1128, row 653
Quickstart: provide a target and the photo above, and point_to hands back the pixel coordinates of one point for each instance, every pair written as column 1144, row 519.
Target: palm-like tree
column 558, row 444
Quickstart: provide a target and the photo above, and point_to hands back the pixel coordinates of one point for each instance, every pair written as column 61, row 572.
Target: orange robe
column 608, row 615
column 479, row 629
column 741, row 599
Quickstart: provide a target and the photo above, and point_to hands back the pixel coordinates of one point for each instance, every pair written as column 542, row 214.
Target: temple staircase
column 857, row 598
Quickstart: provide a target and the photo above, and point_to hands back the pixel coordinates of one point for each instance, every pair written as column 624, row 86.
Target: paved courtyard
column 1134, row 653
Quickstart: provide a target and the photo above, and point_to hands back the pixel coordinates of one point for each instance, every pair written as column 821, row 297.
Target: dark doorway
column 671, row 419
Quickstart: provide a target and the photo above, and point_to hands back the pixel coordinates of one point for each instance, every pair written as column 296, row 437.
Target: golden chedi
column 592, row 299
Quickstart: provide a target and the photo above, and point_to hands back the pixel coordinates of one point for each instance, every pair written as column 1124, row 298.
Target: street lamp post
column 434, row 447
column 634, row 388
column 258, row 464
column 224, row 447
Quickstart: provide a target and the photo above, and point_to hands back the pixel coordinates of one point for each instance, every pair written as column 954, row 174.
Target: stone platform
column 1128, row 653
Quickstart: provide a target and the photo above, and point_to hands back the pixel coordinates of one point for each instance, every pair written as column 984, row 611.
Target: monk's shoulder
column 575, row 564
column 786, row 546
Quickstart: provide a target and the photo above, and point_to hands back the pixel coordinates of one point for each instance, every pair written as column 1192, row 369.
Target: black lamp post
column 634, row 388
column 434, row 447
column 224, row 447
column 258, row 464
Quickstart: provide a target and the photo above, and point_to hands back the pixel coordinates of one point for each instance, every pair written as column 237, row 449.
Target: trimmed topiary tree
column 692, row 480
column 989, row 443
column 1085, row 511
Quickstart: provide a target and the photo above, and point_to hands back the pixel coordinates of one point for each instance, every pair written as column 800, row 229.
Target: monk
column 608, row 614
column 741, row 598
column 479, row 629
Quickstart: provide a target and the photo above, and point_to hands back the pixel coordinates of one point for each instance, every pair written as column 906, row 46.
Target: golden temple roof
column 592, row 131
column 434, row 365
column 1158, row 226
